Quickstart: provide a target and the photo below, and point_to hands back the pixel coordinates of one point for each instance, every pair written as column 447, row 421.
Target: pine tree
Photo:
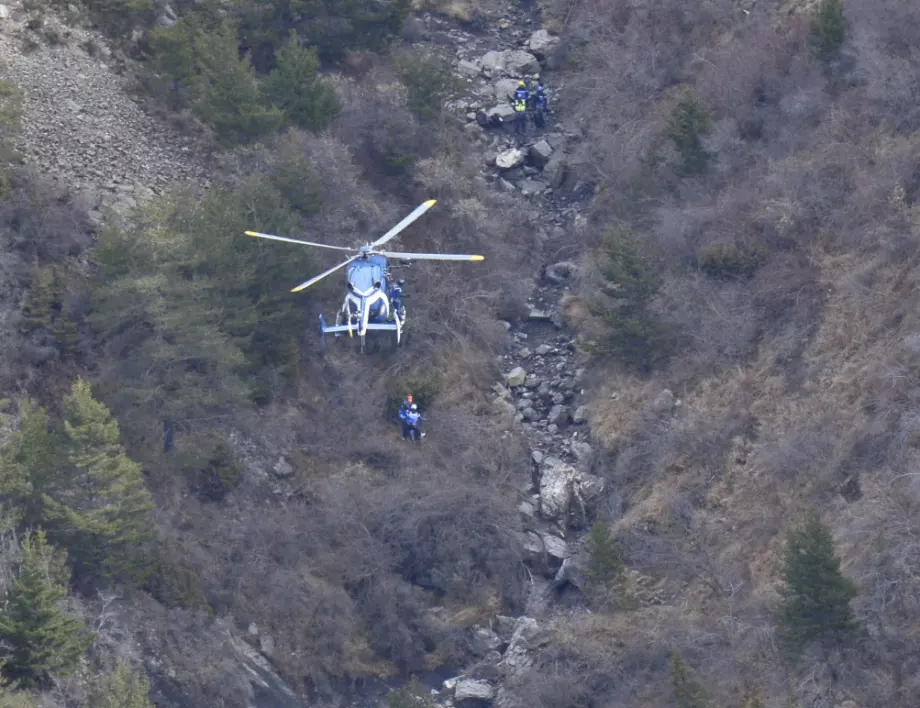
column 227, row 91
column 828, row 30
column 39, row 639
column 16, row 699
column 30, row 463
column 688, row 124
column 636, row 336
column 123, row 688
column 604, row 570
column 104, row 515
column 296, row 87
column 66, row 335
column 40, row 301
column 688, row 691
column 816, row 596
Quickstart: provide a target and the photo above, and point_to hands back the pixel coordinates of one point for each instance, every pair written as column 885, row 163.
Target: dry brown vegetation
column 796, row 382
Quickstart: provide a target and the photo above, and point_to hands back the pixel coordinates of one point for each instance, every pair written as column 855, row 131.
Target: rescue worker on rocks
column 519, row 103
column 540, row 102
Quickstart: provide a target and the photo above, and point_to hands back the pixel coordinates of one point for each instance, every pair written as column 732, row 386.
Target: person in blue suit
column 410, row 418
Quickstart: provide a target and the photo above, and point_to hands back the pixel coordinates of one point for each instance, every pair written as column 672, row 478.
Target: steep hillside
column 692, row 331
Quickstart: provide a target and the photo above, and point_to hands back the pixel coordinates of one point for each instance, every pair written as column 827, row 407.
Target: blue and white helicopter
column 374, row 299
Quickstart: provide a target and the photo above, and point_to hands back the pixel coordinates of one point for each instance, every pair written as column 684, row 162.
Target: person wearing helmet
column 410, row 419
column 540, row 102
column 519, row 102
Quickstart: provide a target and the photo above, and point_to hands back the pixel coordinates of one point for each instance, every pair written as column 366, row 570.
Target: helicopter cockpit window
column 364, row 276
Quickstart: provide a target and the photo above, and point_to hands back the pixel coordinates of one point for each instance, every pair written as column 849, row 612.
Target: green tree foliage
column 816, row 596
column 729, row 260
column 688, row 124
column 103, row 514
column 39, row 639
column 198, row 316
column 297, row 182
column 636, row 337
column 688, row 691
column 66, row 335
column 118, row 18
column 123, row 688
column 40, row 301
column 604, row 569
column 429, row 81
column 31, row 463
column 227, row 93
column 296, row 88
column 220, row 473
column 332, row 26
column 828, row 30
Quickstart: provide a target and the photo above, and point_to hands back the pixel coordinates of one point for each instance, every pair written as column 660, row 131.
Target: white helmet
column 413, row 407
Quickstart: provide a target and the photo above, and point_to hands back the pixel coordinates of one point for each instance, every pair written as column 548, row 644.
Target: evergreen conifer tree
column 828, row 30
column 104, row 516
column 296, row 87
column 30, row 463
column 66, row 335
column 604, row 569
column 123, row 688
column 39, row 639
column 688, row 124
column 228, row 94
column 688, row 691
column 38, row 308
column 816, row 596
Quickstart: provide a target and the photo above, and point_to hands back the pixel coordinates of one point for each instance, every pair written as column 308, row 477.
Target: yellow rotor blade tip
column 250, row 233
column 431, row 202
column 478, row 258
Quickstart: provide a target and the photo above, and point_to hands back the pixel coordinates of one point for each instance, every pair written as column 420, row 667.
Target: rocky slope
column 82, row 128
column 80, row 125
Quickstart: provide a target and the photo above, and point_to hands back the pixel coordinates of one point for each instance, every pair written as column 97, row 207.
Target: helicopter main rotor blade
column 302, row 243
column 419, row 210
column 314, row 279
column 429, row 256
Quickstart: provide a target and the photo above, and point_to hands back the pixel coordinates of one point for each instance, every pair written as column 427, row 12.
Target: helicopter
column 374, row 300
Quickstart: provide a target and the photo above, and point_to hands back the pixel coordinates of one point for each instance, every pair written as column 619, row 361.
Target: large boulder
column 556, row 486
column 469, row 68
column 503, row 110
column 511, row 61
column 468, row 689
column 540, row 153
column 516, row 376
column 519, row 62
column 564, row 489
column 504, row 89
column 483, row 640
column 509, row 159
column 493, row 61
column 542, row 43
column 554, row 170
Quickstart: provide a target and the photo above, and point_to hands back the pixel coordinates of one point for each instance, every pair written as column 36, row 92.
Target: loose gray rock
column 538, row 315
column 516, row 376
column 483, row 641
column 555, row 169
column 583, row 452
column 542, row 43
column 540, row 153
column 559, row 415
column 509, row 159
column 283, row 468
column 4, row 12
column 469, row 68
column 473, row 690
column 504, row 89
column 581, row 415
column 532, row 187
column 555, row 546
column 543, row 349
